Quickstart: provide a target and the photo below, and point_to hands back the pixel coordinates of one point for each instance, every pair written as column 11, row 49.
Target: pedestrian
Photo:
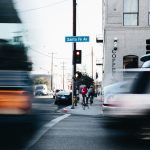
column 91, row 92
column 84, row 92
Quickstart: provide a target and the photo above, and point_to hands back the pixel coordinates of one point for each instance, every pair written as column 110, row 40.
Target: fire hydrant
column 75, row 100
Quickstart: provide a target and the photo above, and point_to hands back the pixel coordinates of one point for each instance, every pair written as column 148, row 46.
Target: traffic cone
column 65, row 110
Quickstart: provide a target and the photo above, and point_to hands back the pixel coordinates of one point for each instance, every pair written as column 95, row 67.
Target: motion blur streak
column 129, row 105
column 21, row 101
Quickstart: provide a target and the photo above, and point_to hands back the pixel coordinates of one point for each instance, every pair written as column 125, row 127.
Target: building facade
column 126, row 26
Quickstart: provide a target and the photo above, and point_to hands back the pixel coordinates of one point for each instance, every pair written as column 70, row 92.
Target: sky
column 47, row 22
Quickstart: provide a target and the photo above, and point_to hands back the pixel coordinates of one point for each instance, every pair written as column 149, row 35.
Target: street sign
column 75, row 39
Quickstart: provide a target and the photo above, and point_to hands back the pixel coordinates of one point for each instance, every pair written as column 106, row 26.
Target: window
column 131, row 13
column 130, row 61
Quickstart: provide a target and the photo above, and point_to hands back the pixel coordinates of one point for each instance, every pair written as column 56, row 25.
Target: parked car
column 41, row 89
column 55, row 92
column 63, row 97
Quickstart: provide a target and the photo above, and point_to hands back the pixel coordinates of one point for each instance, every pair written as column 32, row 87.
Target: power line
column 62, row 58
column 39, row 52
column 49, row 5
column 47, row 55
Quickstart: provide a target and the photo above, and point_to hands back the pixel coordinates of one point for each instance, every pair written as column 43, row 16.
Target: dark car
column 63, row 97
column 55, row 92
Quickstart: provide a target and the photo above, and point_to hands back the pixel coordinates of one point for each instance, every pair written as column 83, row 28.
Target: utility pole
column 92, row 61
column 52, row 70
column 74, row 49
column 63, row 74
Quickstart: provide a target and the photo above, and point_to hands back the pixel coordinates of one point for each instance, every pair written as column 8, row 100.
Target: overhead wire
column 49, row 5
column 39, row 52
column 46, row 54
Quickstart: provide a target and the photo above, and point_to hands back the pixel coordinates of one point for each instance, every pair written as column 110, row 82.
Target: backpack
column 84, row 90
column 91, row 90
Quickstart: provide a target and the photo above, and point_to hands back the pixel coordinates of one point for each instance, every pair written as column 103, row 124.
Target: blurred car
column 41, row 90
column 130, row 110
column 111, row 90
column 16, row 89
column 63, row 97
column 15, row 92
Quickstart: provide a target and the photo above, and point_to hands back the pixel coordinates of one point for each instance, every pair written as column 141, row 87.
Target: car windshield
column 63, row 93
column 39, row 88
column 120, row 87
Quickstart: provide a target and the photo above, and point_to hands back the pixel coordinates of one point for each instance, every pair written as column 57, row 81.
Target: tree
column 84, row 80
column 40, row 80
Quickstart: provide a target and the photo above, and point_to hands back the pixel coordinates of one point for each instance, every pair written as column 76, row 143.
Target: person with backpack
column 91, row 93
column 84, row 92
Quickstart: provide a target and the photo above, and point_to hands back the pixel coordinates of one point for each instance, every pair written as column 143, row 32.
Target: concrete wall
column 131, row 39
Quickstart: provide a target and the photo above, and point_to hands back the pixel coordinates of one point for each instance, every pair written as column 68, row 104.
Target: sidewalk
column 94, row 109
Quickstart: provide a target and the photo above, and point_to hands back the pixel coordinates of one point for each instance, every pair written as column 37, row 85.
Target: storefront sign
column 114, row 60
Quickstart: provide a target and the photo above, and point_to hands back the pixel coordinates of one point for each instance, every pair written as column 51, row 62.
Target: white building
column 126, row 26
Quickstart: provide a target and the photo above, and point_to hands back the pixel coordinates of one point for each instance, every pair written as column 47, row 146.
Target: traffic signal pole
column 73, row 62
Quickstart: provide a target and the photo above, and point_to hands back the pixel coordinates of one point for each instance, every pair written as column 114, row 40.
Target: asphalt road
column 45, row 110
column 76, row 132
column 16, row 132
column 60, row 131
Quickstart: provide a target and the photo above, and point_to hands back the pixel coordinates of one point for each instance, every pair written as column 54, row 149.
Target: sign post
column 74, row 49
column 74, row 39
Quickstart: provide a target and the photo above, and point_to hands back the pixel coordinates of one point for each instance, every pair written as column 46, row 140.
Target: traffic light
column 148, row 46
column 77, row 56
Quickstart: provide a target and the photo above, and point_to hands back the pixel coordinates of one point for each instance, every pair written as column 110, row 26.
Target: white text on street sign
column 77, row 39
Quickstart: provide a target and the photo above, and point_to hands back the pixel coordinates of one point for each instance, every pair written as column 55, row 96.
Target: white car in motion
column 130, row 110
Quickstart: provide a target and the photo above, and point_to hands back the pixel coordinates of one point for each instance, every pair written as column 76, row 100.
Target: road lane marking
column 54, row 121
column 44, row 129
